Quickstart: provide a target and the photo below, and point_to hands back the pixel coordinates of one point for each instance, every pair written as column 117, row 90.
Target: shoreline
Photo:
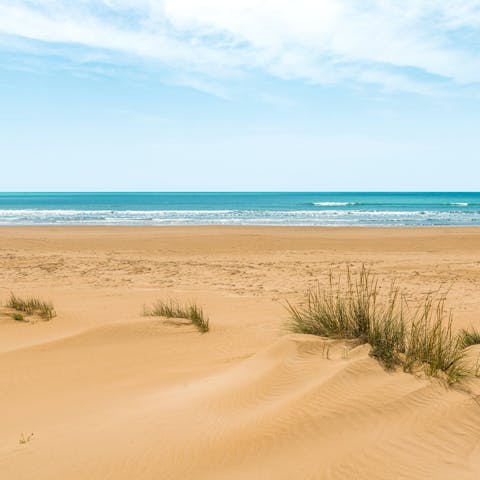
column 247, row 225
column 232, row 226
column 240, row 228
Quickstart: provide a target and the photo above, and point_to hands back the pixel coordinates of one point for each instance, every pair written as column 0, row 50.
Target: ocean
column 302, row 208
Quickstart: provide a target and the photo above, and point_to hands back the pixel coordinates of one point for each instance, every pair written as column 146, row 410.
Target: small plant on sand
column 432, row 342
column 469, row 337
column 25, row 438
column 173, row 309
column 31, row 306
column 355, row 309
column 18, row 317
column 350, row 308
column 387, row 332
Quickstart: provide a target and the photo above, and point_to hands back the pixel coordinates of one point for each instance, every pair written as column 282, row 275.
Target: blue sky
column 239, row 95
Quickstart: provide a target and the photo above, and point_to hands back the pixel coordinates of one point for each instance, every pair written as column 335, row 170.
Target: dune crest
column 297, row 405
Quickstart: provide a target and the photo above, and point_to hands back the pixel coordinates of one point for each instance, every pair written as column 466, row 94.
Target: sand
column 111, row 394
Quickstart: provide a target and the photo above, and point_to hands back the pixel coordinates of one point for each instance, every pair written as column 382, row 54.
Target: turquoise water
column 329, row 209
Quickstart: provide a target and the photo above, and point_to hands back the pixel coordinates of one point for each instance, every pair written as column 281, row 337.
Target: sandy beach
column 111, row 394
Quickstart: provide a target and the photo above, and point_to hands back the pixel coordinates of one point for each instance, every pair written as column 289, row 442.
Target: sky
column 239, row 95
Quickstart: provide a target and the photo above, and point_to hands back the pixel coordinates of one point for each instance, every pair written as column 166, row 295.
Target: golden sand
column 110, row 394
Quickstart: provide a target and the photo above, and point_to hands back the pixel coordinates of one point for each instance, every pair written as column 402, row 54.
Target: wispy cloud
column 413, row 45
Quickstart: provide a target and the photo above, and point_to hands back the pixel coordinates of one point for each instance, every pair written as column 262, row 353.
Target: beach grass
column 433, row 343
column 354, row 307
column 349, row 308
column 31, row 306
column 469, row 337
column 18, row 317
column 173, row 309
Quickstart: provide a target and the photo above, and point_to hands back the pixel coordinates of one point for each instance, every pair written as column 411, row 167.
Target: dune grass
column 349, row 308
column 433, row 343
column 31, row 306
column 173, row 309
column 18, row 317
column 469, row 337
column 354, row 307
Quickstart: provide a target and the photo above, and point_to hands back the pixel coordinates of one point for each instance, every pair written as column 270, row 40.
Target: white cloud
column 408, row 45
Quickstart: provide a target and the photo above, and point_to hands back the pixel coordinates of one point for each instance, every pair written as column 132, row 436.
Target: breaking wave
column 305, row 217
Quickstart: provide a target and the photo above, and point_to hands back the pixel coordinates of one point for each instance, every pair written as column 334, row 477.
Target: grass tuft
column 31, row 306
column 330, row 313
column 469, row 337
column 18, row 317
column 350, row 308
column 355, row 308
column 173, row 309
column 25, row 438
column 433, row 343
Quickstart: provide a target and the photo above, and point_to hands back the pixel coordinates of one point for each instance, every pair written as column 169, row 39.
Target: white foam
column 334, row 216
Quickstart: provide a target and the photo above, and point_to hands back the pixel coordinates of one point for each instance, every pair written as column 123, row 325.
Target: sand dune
column 108, row 393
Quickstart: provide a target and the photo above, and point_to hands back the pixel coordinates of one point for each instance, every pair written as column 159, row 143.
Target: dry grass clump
column 173, row 309
column 355, row 308
column 25, row 438
column 469, row 337
column 432, row 342
column 31, row 306
column 351, row 309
